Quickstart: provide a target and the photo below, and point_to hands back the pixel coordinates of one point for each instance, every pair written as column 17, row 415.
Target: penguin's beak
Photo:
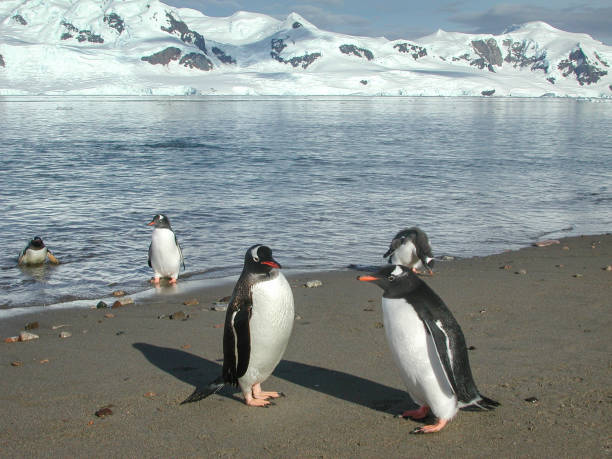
column 367, row 278
column 271, row 263
column 152, row 223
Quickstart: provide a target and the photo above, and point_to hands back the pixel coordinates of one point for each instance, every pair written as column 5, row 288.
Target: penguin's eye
column 391, row 278
column 255, row 258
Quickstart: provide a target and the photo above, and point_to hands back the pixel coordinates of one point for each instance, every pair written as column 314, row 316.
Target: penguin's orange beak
column 271, row 263
column 367, row 278
column 152, row 223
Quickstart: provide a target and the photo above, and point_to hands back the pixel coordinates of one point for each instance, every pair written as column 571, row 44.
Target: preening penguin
column 35, row 253
column 428, row 347
column 410, row 247
column 165, row 254
column 258, row 325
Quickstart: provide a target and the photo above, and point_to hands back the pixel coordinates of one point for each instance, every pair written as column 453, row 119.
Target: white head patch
column 254, row 251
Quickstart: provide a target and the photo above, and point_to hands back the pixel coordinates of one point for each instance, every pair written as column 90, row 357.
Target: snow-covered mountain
column 140, row 47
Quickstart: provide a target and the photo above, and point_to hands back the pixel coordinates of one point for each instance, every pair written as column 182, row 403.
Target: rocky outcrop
column 296, row 25
column 489, row 53
column 359, row 52
column 489, row 92
column 18, row 18
column 578, row 64
column 2, row 64
column 163, row 57
column 225, row 58
column 187, row 36
column 196, row 61
column 278, row 44
column 517, row 55
column 414, row 50
column 114, row 21
column 79, row 35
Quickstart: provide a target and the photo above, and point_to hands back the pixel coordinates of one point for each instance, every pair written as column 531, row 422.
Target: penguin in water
column 410, row 247
column 258, row 325
column 428, row 346
column 35, row 253
column 165, row 254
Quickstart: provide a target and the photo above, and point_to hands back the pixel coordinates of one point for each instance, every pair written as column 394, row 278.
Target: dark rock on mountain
column 296, row 25
column 18, row 18
column 163, row 57
column 114, row 21
column 414, row 50
column 359, row 52
column 196, row 60
column 80, row 35
column 2, row 64
column 579, row 65
column 489, row 53
column 187, row 35
column 490, row 92
column 225, row 58
column 278, row 45
column 517, row 55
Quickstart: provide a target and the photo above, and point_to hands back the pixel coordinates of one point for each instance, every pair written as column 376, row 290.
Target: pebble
column 608, row 268
column 578, row 275
column 313, row 283
column 122, row 302
column 55, row 327
column 178, row 315
column 219, row 306
column 101, row 305
column 191, row 302
column 11, row 339
column 532, row 400
column 65, row 334
column 16, row 363
column 506, row 267
column 298, row 317
column 104, row 411
column 521, row 271
column 31, row 325
column 379, row 325
column 119, row 293
column 546, row 243
column 565, row 247
column 109, row 315
column 150, row 394
column 218, row 325
column 27, row 336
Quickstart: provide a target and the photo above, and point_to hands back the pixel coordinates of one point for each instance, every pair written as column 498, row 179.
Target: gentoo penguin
column 35, row 253
column 165, row 254
column 258, row 324
column 410, row 247
column 428, row 346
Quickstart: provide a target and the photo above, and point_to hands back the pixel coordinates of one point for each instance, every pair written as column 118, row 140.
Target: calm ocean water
column 326, row 182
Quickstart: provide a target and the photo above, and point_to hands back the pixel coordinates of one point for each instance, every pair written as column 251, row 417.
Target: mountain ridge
column 140, row 47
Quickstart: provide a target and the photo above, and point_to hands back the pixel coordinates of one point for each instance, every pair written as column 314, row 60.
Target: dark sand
column 545, row 333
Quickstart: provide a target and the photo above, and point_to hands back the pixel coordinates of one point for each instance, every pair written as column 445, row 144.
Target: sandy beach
column 538, row 321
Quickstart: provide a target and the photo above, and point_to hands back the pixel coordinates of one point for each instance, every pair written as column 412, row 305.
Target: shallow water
column 326, row 182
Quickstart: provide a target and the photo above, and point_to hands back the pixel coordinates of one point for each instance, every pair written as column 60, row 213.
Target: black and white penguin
column 165, row 254
column 35, row 253
column 410, row 247
column 258, row 325
column 428, row 347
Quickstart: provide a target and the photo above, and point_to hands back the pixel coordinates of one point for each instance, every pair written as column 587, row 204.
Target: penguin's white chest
column 414, row 353
column 406, row 255
column 270, row 326
column 34, row 257
column 165, row 254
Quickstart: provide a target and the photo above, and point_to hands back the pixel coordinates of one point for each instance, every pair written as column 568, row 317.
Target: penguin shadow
column 199, row 372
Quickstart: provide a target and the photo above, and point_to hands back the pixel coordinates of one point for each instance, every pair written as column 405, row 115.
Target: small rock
column 119, row 333
column 565, row 247
column 472, row 348
column 217, row 306
column 109, row 315
column 27, row 336
column 379, row 325
column 521, row 271
column 186, row 346
column 546, row 243
column 225, row 299
column 101, row 305
column 178, row 315
column 31, row 325
column 43, row 361
column 608, row 268
column 578, row 275
column 560, row 266
column 368, row 309
column 150, row 394
column 161, row 316
column 532, row 400
column 119, row 293
column 104, row 411
column 506, row 267
column 55, row 327
column 122, row 302
column 191, row 302
column 218, row 325
column 11, row 339
column 298, row 317
column 65, row 334
column 313, row 284
column 447, row 258
column 16, row 363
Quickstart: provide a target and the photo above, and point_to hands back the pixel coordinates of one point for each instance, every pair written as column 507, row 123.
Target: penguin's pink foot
column 431, row 428
column 416, row 414
column 250, row 401
column 155, row 280
column 172, row 280
column 263, row 395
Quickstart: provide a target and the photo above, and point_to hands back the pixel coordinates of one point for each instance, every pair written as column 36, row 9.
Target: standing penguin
column 35, row 253
column 410, row 247
column 258, row 325
column 165, row 254
column 428, row 346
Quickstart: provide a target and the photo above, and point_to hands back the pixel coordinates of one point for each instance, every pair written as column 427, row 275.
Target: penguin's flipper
column 202, row 392
column 52, row 258
column 442, row 344
column 180, row 251
column 236, row 339
column 149, row 259
column 395, row 243
column 21, row 255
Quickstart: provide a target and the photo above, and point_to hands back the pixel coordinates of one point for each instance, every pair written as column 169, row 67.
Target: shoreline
column 538, row 319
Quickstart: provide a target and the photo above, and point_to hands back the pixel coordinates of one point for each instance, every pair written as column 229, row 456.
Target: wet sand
column 538, row 319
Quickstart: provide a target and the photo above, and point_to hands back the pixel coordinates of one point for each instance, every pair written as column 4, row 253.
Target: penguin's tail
column 482, row 403
column 202, row 392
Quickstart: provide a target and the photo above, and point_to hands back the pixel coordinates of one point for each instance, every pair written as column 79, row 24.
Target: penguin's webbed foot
column 430, row 428
column 252, row 401
column 172, row 280
column 155, row 280
column 263, row 395
column 416, row 414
